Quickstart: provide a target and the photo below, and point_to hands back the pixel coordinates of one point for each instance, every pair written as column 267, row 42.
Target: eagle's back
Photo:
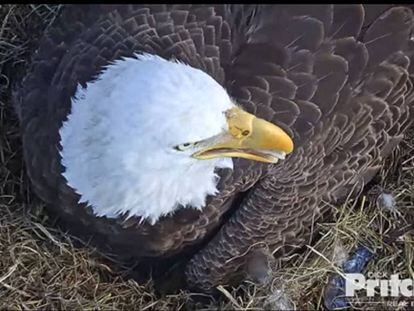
column 343, row 79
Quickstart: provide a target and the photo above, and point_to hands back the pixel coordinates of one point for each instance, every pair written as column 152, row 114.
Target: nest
column 41, row 266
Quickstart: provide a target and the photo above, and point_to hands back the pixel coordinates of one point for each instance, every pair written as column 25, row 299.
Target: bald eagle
column 217, row 131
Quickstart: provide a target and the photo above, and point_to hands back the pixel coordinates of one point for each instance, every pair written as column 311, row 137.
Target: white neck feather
column 118, row 140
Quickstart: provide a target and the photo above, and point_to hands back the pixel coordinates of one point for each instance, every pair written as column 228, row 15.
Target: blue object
column 358, row 261
column 334, row 296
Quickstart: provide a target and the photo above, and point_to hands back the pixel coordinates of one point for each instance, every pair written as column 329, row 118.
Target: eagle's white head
column 147, row 135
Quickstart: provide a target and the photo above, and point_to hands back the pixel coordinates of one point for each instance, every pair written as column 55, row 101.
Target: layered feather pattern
column 338, row 78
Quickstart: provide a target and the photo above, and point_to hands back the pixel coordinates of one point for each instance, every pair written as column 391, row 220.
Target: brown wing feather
column 359, row 101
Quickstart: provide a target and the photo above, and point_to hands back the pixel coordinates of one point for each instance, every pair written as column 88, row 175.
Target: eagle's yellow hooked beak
column 247, row 137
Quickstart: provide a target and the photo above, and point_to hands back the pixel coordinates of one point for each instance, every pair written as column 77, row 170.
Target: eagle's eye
column 183, row 147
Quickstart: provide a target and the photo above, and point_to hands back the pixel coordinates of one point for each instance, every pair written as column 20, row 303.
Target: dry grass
column 41, row 268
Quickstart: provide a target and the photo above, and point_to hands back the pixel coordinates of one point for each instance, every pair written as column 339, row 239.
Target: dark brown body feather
column 336, row 77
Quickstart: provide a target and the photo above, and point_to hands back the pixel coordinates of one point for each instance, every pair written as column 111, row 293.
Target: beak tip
column 290, row 148
column 288, row 145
